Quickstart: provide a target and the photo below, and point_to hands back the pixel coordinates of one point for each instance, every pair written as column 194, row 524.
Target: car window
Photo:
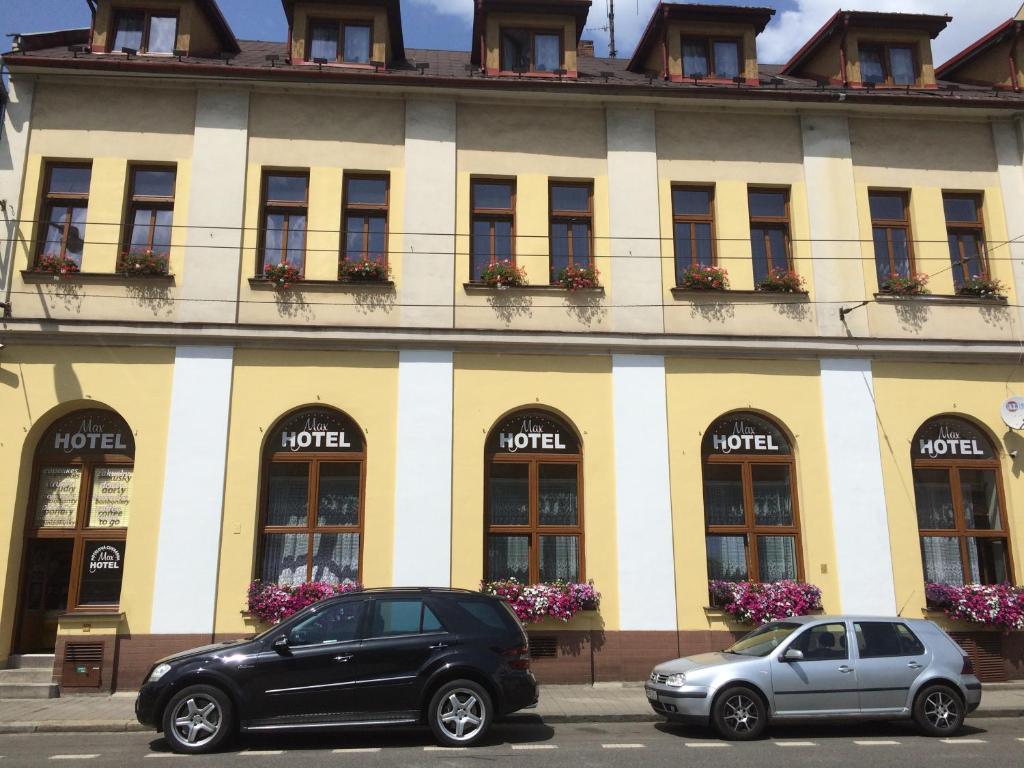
column 404, row 616
column 491, row 614
column 337, row 623
column 824, row 642
column 763, row 640
column 876, row 639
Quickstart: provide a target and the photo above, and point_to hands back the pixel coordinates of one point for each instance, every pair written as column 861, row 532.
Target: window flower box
column 142, row 263
column 782, row 281
column 272, row 603
column 283, row 276
column 982, row 287
column 56, row 266
column 574, row 278
column 704, row 278
column 535, row 602
column 363, row 271
column 992, row 605
column 751, row 602
column 503, row 274
column 912, row 285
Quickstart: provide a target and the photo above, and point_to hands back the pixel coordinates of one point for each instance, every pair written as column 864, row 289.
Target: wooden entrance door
column 45, row 596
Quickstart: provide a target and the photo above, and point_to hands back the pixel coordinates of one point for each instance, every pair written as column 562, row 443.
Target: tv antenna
column 609, row 28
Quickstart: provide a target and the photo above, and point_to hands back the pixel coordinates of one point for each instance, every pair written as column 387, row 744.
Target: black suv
column 451, row 658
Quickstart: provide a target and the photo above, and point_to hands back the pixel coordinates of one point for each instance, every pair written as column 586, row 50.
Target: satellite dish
column 1013, row 413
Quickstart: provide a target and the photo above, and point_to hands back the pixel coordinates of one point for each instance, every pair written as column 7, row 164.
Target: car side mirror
column 280, row 645
column 793, row 655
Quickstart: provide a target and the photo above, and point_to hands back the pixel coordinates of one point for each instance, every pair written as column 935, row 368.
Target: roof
column 921, row 22
column 978, row 47
column 723, row 14
column 392, row 7
column 579, row 9
column 452, row 69
column 220, row 25
column 38, row 41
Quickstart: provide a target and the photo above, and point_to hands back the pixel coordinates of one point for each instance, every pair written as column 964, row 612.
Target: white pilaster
column 423, row 470
column 213, row 245
column 185, row 589
column 643, row 505
column 428, row 261
column 636, row 281
column 13, row 149
column 1008, row 138
column 859, row 514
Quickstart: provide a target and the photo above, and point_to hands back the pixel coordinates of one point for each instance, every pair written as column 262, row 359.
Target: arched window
column 960, row 504
column 314, row 473
column 750, row 506
column 77, row 522
column 533, row 507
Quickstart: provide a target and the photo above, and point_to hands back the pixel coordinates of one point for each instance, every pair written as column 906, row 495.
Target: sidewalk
column 558, row 704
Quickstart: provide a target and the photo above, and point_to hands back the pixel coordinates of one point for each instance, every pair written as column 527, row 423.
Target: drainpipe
column 664, row 43
column 92, row 23
column 1014, row 77
column 842, row 51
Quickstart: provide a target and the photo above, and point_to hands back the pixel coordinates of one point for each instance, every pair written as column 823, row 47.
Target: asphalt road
column 528, row 743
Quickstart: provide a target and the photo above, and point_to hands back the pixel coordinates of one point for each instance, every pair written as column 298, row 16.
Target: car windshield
column 763, row 640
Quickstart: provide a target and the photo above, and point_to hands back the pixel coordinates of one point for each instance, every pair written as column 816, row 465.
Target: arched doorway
column 312, row 499
column 77, row 523
column 533, row 500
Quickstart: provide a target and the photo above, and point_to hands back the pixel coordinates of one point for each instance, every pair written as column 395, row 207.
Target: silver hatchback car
column 822, row 667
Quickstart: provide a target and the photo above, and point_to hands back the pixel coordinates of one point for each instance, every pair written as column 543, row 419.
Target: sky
column 446, row 23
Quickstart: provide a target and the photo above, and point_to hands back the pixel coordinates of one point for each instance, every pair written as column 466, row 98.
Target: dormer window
column 530, row 50
column 887, row 64
column 340, row 41
column 706, row 57
column 145, row 31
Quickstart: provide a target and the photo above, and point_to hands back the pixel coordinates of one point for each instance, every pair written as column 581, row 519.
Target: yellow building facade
column 307, row 312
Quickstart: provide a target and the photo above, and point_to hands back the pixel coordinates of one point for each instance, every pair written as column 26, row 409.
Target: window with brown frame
column 888, row 64
column 965, row 230
column 693, row 228
column 365, row 203
column 314, row 476
column 145, row 31
column 750, row 503
column 571, row 233
column 711, row 57
column 339, row 41
column 531, row 50
column 533, row 500
column 77, row 522
column 493, row 203
column 890, row 230
column 285, row 210
column 769, row 231
column 63, row 213
column 961, row 509
column 150, row 210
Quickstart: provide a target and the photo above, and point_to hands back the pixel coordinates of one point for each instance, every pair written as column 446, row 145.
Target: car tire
column 939, row 710
column 460, row 713
column 198, row 719
column 739, row 714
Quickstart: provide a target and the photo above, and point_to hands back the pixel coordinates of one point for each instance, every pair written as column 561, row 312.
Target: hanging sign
column 317, row 430
column 746, row 434
column 92, row 432
column 950, row 439
column 533, row 432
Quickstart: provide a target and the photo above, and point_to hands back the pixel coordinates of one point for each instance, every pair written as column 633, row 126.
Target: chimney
column 585, row 49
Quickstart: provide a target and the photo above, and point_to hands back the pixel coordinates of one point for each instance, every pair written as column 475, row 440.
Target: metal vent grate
column 543, row 647
column 986, row 652
column 83, row 653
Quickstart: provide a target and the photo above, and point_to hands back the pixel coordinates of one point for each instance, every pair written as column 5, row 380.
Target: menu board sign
column 533, row 432
column 317, row 430
column 111, row 494
column 746, row 434
column 102, row 571
column 57, row 498
column 91, row 432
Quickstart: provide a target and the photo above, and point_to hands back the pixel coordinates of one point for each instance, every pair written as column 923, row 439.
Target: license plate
column 652, row 694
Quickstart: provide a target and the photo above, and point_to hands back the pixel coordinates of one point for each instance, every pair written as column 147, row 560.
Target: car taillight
column 968, row 668
column 518, row 658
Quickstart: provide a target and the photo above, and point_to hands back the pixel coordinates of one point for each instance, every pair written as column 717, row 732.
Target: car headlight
column 676, row 681
column 159, row 672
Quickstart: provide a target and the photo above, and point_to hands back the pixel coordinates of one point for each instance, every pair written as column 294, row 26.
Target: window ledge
column 768, row 297
column 92, row 614
column 37, row 278
column 260, row 283
column 933, row 298
column 480, row 288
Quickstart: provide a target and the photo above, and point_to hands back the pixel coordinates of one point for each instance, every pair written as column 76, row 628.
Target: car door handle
column 439, row 646
column 913, row 665
column 845, row 669
column 343, row 659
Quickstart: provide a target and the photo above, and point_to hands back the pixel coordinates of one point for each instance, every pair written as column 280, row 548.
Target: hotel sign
column 745, row 434
column 950, row 439
column 90, row 433
column 317, row 430
column 533, row 432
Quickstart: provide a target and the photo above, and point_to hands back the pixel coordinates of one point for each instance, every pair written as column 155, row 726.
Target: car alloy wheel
column 197, row 720
column 741, row 714
column 461, row 714
column 942, row 710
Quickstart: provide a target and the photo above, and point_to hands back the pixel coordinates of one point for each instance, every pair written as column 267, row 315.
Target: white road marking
column 534, row 746
column 164, row 754
column 703, row 744
column 445, row 749
column 795, row 744
column 963, row 741
column 877, row 743
column 356, row 751
column 72, row 757
column 262, row 752
column 622, row 746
